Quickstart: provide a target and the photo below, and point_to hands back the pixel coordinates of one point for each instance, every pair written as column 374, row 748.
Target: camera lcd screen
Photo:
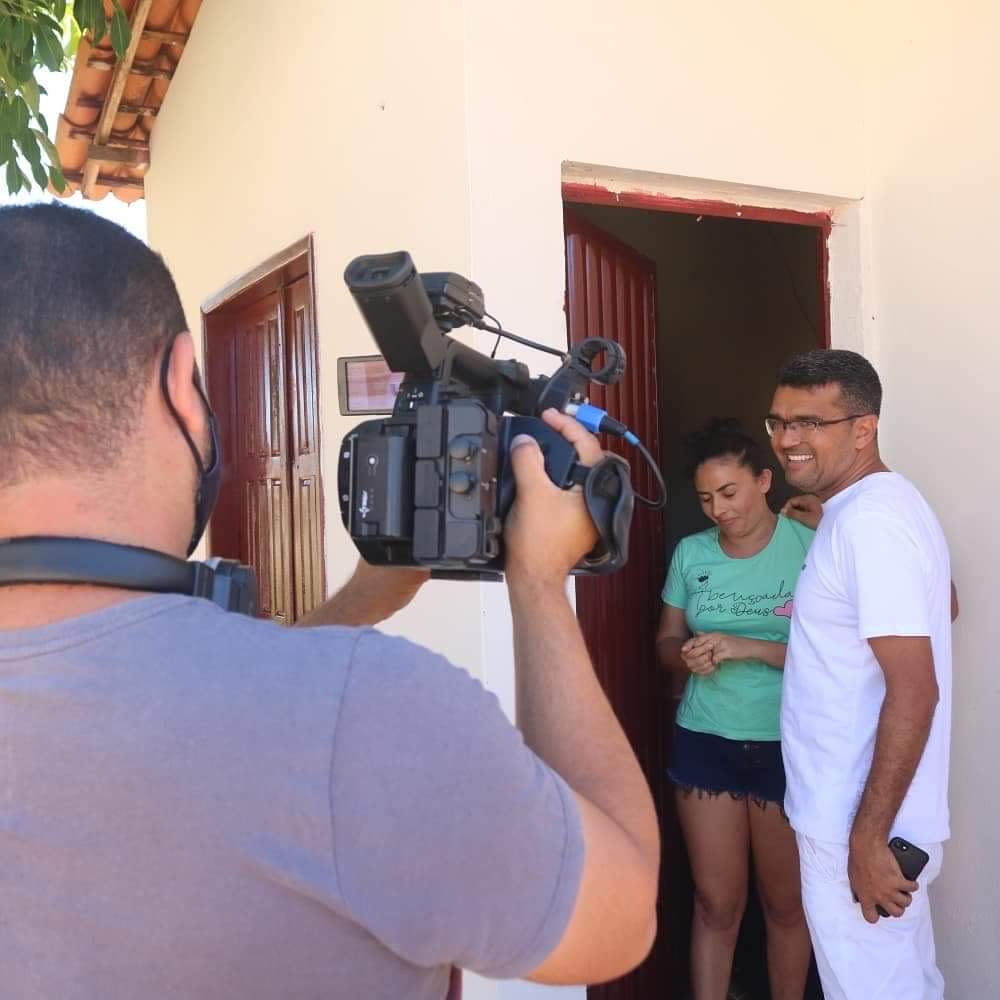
column 366, row 384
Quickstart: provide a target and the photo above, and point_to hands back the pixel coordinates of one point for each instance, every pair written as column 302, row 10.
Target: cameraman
column 200, row 804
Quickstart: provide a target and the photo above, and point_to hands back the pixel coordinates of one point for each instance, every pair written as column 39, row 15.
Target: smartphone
column 911, row 860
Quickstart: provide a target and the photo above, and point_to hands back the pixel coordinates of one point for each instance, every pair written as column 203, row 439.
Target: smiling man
column 866, row 702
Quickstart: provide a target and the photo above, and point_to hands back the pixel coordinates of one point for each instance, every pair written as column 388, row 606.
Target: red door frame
column 595, row 194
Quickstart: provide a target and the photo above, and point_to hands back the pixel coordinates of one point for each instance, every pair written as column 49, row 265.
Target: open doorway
column 710, row 299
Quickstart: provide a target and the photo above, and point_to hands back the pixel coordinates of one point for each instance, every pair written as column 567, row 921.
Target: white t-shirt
column 879, row 566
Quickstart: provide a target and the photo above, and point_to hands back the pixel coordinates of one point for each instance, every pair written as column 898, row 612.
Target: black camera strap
column 47, row 559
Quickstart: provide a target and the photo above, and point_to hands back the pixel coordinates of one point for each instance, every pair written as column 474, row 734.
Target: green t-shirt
column 751, row 598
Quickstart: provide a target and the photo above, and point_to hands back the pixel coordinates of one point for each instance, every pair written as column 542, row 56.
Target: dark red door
column 303, row 446
column 247, row 384
column 261, row 460
column 261, row 361
column 611, row 292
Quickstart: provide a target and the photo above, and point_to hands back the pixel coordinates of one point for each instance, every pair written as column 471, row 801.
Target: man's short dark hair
column 860, row 386
column 85, row 311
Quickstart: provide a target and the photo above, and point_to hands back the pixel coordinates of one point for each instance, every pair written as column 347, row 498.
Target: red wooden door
column 261, row 361
column 257, row 484
column 611, row 292
column 220, row 372
column 306, row 492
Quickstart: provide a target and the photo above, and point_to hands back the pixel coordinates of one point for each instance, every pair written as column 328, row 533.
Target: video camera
column 431, row 484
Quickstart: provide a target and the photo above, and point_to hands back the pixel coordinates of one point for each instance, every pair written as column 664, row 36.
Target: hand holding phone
column 870, row 871
column 911, row 860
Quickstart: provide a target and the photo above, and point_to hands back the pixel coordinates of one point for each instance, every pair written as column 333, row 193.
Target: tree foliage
column 38, row 35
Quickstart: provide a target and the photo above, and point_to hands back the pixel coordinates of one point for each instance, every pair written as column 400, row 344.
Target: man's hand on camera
column 372, row 594
column 548, row 529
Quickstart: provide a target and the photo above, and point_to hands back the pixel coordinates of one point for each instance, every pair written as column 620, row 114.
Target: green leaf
column 6, row 148
column 48, row 48
column 89, row 15
column 58, row 9
column 14, row 176
column 30, row 148
column 121, row 31
column 72, row 40
column 57, row 178
column 20, row 115
column 82, row 13
column 22, row 69
column 20, row 34
column 40, row 174
column 6, row 77
column 47, row 144
column 100, row 28
column 31, row 95
column 48, row 21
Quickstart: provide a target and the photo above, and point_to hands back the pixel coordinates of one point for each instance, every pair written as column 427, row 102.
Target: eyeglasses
column 805, row 428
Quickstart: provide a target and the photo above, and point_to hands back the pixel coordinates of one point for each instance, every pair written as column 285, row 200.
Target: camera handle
column 607, row 489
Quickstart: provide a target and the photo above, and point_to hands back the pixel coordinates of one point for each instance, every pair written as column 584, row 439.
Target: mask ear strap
column 164, row 368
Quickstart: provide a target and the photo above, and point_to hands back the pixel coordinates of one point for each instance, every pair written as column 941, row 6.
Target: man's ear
column 181, row 373
column 865, row 431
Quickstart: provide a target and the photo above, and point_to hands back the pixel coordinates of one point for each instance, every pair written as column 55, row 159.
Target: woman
column 725, row 622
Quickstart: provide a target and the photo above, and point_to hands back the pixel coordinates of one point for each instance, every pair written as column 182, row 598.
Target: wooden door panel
column 611, row 292
column 306, row 482
column 266, row 533
column 260, row 465
column 261, row 365
column 220, row 372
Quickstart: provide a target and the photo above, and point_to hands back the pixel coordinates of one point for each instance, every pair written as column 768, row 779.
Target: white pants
column 891, row 960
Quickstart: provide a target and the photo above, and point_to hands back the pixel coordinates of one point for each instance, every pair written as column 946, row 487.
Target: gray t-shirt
column 197, row 804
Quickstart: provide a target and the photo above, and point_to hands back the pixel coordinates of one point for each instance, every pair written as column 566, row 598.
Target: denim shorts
column 713, row 765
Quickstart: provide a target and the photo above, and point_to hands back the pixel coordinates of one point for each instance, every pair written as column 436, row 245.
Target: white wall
column 933, row 150
column 443, row 127
column 339, row 120
column 744, row 93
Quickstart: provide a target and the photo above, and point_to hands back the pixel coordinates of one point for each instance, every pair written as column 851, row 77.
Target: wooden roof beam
column 167, row 37
column 112, row 100
column 125, row 142
column 116, row 154
column 137, row 69
column 122, row 109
